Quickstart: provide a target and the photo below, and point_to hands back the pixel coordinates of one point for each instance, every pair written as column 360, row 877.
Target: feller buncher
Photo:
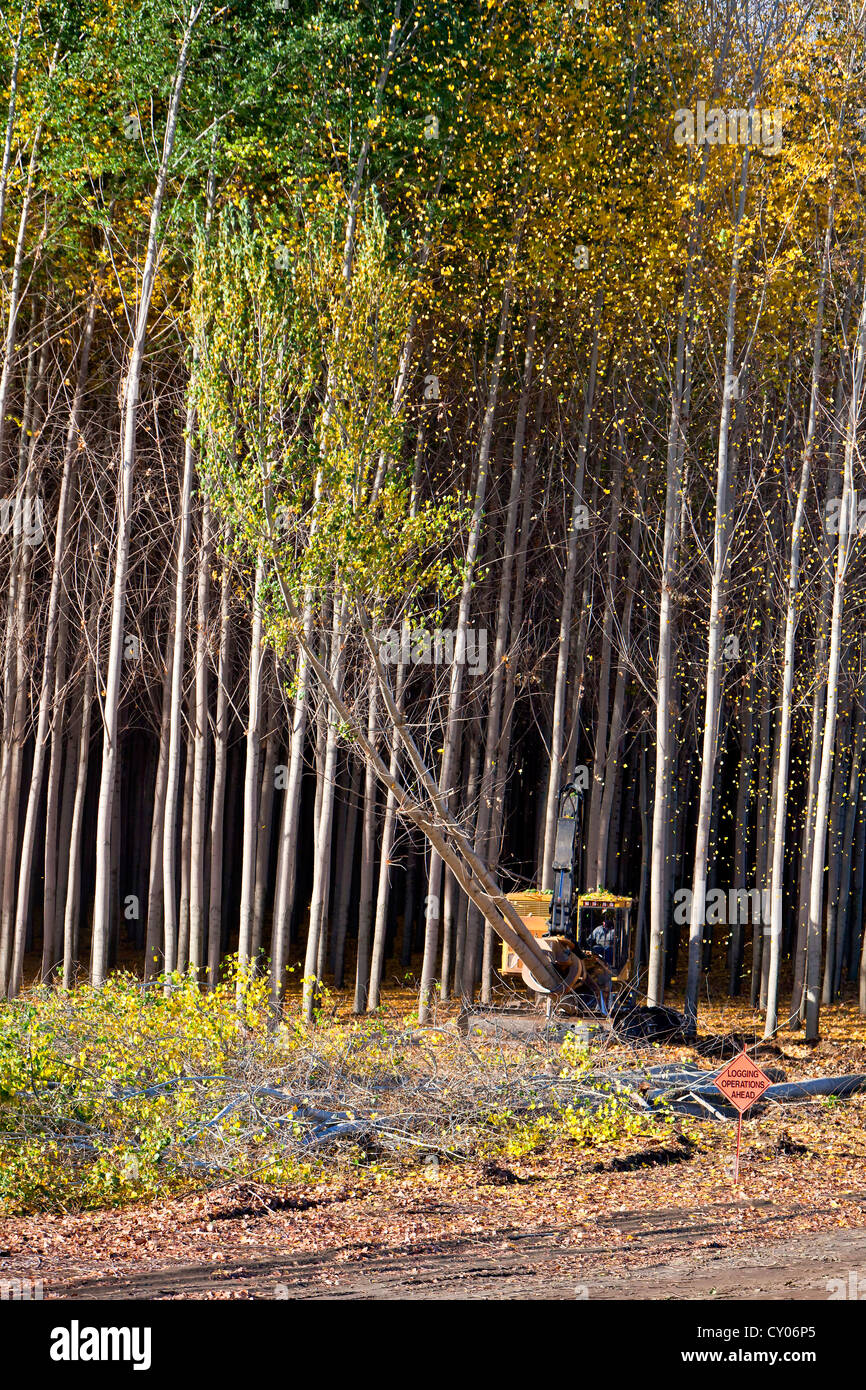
column 586, row 935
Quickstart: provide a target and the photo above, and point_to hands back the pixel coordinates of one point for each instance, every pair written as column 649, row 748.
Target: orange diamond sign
column 742, row 1082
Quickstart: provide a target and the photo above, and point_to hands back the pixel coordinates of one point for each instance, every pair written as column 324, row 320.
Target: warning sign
column 742, row 1082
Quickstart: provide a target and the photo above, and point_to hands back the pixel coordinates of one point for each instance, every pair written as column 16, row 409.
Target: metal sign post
column 742, row 1082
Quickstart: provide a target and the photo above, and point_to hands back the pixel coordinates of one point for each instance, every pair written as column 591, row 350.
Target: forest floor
column 628, row 1218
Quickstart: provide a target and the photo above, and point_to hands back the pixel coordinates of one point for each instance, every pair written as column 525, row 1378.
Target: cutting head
column 566, row 961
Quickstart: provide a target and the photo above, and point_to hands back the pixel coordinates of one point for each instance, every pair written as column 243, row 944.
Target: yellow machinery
column 600, row 916
column 586, row 935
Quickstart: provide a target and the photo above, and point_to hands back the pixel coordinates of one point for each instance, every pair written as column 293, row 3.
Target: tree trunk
column 834, row 877
column 198, row 827
column 368, row 855
column 131, row 393
column 11, row 939
column 721, row 564
column 742, row 820
column 847, row 533
column 251, row 779
column 453, row 724
column 665, row 656
column 844, row 922
column 28, row 842
column 377, row 959
column 316, row 936
column 617, row 719
column 560, row 684
column 344, row 885
column 263, row 843
column 185, row 848
column 500, row 650
column 218, row 795
column 287, row 855
column 72, row 910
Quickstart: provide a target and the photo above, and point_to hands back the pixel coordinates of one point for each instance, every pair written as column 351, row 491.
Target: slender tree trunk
column 741, row 831
column 72, row 911
column 493, row 731
column 131, row 393
column 455, row 693
column 64, row 837
column 251, row 778
column 155, row 895
column 284, row 899
column 198, row 827
column 11, row 940
column 263, row 843
column 13, row 301
column 617, row 719
column 798, row 993
column 843, row 551
column 641, row 935
column 368, row 855
column 503, row 748
column 218, row 795
column 856, row 928
column 344, row 885
column 56, row 865
column 28, row 843
column 783, row 771
column 316, row 936
column 185, row 849
column 844, row 923
column 665, row 657
column 597, row 865
column 840, row 781
column 721, row 564
column 10, row 111
column 389, row 826
column 409, row 909
column 560, row 685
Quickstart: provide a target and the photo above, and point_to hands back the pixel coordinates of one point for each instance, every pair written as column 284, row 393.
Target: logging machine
column 586, row 935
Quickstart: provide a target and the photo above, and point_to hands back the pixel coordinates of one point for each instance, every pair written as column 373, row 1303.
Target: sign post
column 742, row 1083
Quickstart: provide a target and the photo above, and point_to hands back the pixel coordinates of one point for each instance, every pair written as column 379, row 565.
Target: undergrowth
column 134, row 1092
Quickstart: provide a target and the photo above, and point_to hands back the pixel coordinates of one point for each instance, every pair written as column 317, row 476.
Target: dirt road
column 525, row 1265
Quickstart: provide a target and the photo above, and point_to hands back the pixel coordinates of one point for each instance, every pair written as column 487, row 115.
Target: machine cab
column 603, row 928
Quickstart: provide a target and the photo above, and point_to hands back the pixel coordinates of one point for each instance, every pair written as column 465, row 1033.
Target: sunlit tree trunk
column 218, row 795
column 660, row 867
column 287, row 854
column 783, row 769
column 28, row 841
column 500, row 650
column 80, row 742
column 560, row 684
column 316, row 936
column 847, row 532
column 368, row 855
column 719, row 584
column 131, row 393
column 452, row 722
column 263, row 843
column 198, row 828
column 251, row 776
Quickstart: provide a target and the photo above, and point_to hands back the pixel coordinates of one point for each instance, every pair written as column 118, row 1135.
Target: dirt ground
column 724, row 1249
column 608, row 1221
